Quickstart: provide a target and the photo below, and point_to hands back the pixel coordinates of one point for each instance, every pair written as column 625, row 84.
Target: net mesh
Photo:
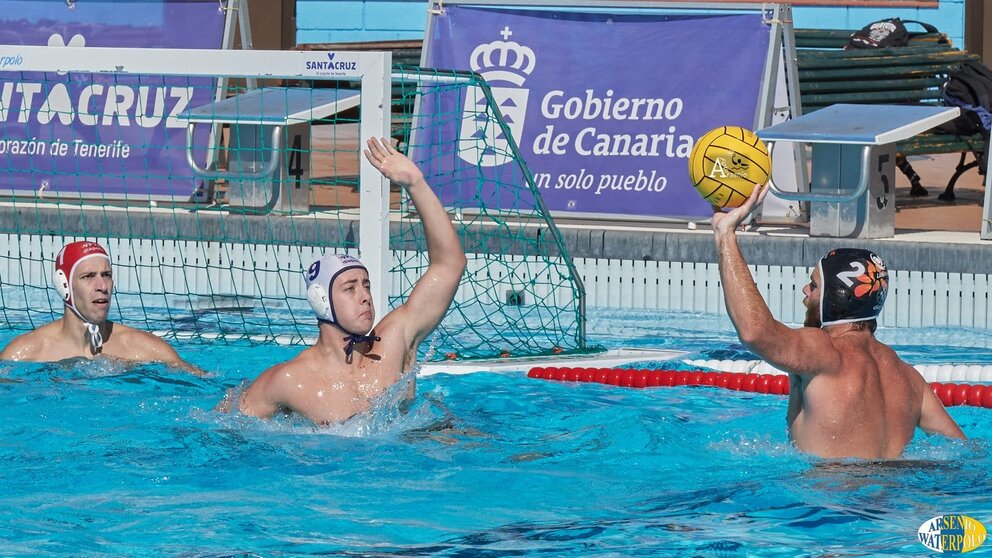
column 213, row 198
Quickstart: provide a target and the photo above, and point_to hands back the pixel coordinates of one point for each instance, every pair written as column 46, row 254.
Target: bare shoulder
column 889, row 360
column 271, row 390
column 803, row 351
column 290, row 372
column 30, row 346
column 392, row 324
column 395, row 317
column 135, row 344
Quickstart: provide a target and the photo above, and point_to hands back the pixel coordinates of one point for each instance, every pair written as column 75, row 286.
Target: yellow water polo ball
column 727, row 163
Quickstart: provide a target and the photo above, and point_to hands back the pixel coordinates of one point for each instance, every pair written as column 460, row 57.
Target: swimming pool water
column 100, row 459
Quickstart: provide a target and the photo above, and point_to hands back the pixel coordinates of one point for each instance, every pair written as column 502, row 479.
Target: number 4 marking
column 296, row 161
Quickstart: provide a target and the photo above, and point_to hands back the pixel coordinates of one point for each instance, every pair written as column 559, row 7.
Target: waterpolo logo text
column 738, row 167
column 11, row 61
column 952, row 534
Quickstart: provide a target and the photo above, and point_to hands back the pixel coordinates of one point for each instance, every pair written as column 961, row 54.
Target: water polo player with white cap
column 850, row 395
column 320, row 286
column 84, row 280
column 350, row 365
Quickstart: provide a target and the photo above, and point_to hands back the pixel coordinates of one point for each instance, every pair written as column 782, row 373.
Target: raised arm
column 795, row 350
column 435, row 289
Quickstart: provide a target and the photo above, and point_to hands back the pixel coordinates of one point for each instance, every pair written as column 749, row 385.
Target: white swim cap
column 320, row 279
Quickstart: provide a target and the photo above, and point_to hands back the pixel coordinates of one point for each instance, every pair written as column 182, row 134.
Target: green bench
column 911, row 74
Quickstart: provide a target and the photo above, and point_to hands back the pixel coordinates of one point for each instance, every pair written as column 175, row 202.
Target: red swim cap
column 65, row 265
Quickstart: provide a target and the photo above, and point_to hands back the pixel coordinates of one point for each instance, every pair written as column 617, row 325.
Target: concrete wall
column 265, row 34
column 343, row 21
column 333, row 21
column 949, row 18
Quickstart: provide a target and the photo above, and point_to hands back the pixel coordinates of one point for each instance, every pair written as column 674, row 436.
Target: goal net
column 214, row 178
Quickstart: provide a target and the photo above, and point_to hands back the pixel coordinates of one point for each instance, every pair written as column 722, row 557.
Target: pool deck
column 607, row 359
column 930, row 234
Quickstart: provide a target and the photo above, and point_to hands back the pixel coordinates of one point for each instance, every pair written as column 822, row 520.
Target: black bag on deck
column 885, row 33
column 971, row 89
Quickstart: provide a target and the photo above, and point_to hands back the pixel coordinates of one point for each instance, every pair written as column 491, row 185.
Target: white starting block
column 853, row 168
column 269, row 147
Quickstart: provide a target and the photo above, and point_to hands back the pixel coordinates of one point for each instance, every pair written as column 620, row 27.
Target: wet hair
column 870, row 325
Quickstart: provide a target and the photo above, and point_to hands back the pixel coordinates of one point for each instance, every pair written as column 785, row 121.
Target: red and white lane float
column 767, row 380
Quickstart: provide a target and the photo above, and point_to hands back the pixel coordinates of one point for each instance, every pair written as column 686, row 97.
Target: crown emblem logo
column 505, row 65
column 503, row 60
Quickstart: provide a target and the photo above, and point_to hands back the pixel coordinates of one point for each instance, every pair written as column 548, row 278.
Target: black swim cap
column 854, row 284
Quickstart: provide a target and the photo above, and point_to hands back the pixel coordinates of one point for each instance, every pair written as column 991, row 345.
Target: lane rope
column 950, row 393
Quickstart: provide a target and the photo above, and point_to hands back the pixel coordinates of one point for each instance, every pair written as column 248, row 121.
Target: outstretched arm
column 434, row 291
column 795, row 350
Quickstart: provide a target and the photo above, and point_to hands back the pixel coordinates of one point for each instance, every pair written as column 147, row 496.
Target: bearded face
column 811, row 300
column 812, row 315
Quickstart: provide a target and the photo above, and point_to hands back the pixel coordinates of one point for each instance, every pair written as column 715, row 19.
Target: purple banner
column 605, row 108
column 100, row 134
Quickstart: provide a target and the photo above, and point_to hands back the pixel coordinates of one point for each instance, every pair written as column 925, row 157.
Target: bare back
column 850, row 395
column 868, row 407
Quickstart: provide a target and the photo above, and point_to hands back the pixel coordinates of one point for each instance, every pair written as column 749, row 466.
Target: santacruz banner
column 99, row 134
column 604, row 108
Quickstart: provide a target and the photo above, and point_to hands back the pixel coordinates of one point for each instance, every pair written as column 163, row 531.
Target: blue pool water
column 102, row 460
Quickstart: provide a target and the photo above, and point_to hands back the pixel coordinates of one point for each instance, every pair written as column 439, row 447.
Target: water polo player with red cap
column 84, row 280
column 351, row 363
column 850, row 395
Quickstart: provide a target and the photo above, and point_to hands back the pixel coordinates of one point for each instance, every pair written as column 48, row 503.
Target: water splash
column 395, row 410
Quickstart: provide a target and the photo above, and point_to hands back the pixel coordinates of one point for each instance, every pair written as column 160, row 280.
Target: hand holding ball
column 727, row 163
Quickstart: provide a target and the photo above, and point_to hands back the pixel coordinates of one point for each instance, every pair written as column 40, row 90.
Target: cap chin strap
column 96, row 338
column 353, row 339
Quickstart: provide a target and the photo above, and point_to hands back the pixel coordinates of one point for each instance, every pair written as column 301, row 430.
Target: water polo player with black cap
column 854, row 284
column 84, row 280
column 850, row 395
column 350, row 364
